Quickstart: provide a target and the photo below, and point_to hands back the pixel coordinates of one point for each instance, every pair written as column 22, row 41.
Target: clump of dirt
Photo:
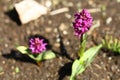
column 106, row 65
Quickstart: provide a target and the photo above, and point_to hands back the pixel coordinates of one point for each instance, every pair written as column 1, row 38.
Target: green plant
column 83, row 22
column 111, row 43
column 37, row 50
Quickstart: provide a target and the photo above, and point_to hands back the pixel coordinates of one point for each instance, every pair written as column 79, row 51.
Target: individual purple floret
column 82, row 23
column 36, row 45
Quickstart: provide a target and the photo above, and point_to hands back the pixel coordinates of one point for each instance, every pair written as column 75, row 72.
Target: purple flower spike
column 36, row 45
column 82, row 23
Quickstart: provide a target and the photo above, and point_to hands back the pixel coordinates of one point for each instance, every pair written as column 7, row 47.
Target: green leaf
column 72, row 77
column 111, row 43
column 48, row 55
column 23, row 49
column 80, row 65
column 115, row 45
column 89, row 55
column 43, row 56
column 36, row 58
column 77, row 67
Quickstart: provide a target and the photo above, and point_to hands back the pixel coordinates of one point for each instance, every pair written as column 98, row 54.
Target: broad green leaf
column 77, row 67
column 89, row 55
column 37, row 58
column 23, row 49
column 80, row 65
column 48, row 55
column 43, row 56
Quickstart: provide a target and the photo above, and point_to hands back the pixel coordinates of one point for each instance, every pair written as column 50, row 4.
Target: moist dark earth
column 57, row 29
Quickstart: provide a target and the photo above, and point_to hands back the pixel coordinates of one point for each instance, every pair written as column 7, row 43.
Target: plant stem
column 82, row 44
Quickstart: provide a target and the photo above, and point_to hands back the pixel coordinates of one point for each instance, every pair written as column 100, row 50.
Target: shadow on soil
column 13, row 15
column 107, row 51
column 18, row 56
column 63, row 49
column 110, row 53
column 65, row 70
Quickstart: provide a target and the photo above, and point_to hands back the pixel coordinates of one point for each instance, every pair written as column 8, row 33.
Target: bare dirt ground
column 106, row 66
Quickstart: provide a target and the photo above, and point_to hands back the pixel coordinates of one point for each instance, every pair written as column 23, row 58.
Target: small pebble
column 55, row 30
column 67, row 43
column 109, row 58
column 6, row 45
column 108, row 77
column 65, row 32
column 49, row 22
column 12, row 67
column 91, row 2
column 118, row 70
column 58, row 40
column 28, row 31
column 47, row 75
column 104, row 14
column 48, row 30
column 62, row 26
column 68, row 16
column 98, row 66
column 3, row 62
column 13, row 73
column 108, row 20
column 96, row 74
column 114, row 67
column 57, row 45
column 104, row 55
column 57, row 36
column 60, row 58
column 7, row 21
column 70, row 4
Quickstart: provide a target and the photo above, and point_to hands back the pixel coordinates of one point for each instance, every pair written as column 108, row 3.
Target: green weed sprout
column 111, row 43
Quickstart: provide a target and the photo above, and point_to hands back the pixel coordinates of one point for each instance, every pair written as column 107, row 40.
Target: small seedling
column 111, row 43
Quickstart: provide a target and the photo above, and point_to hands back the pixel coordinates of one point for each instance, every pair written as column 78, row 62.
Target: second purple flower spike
column 36, row 45
column 83, row 22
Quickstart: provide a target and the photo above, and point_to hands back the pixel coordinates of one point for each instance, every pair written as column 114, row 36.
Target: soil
column 54, row 28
